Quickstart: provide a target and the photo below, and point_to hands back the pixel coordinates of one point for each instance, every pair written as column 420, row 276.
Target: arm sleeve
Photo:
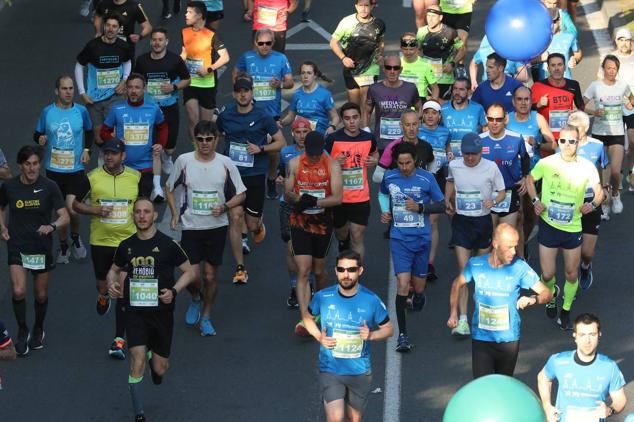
column 435, row 207
column 79, row 78
column 127, row 67
column 467, row 273
column 384, row 201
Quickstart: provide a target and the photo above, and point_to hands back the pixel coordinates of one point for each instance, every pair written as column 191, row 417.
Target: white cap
column 431, row 104
column 623, row 33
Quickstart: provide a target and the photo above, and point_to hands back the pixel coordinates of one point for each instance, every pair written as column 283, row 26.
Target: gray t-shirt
column 473, row 185
column 611, row 99
column 389, row 103
column 204, row 184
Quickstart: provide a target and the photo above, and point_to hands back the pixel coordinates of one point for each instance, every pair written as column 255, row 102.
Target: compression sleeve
column 127, row 68
column 377, row 177
column 79, row 78
column 435, row 208
column 384, row 202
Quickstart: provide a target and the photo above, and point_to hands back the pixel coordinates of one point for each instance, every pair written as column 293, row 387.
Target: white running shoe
column 166, row 163
column 605, row 212
column 78, row 249
column 617, row 205
column 84, row 9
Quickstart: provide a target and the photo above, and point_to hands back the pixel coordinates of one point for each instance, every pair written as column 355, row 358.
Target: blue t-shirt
column 582, row 385
column 135, row 126
column 439, row 139
column 480, row 57
column 64, row 128
column 342, row 317
column 486, row 95
column 528, row 128
column 286, row 155
column 105, row 66
column 213, row 5
column 460, row 122
column 496, row 291
column 262, row 70
column 507, row 153
column 314, row 106
column 562, row 42
column 422, row 188
column 240, row 128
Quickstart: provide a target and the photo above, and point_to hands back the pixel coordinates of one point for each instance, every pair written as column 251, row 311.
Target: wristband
column 174, row 292
column 535, row 200
column 333, row 127
column 53, row 226
column 87, row 150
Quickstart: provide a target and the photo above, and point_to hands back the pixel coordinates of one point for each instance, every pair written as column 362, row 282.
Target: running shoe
column 259, row 236
column 193, row 312
column 117, row 349
column 241, row 276
column 585, row 277
column 36, row 341
column 22, row 343
column 103, row 304
column 605, row 212
column 271, row 190
column 156, row 378
column 84, row 9
column 305, row 17
column 617, row 205
column 157, row 196
column 460, row 72
column 431, row 273
column 403, row 345
column 167, row 17
column 78, row 248
column 462, row 329
column 551, row 307
column 300, row 329
column 564, row 320
column 206, row 329
column 418, row 302
column 140, row 418
column 291, row 302
column 63, row 256
column 344, row 245
column 167, row 165
column 246, row 249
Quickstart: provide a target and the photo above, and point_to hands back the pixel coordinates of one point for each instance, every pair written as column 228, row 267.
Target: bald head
column 506, row 231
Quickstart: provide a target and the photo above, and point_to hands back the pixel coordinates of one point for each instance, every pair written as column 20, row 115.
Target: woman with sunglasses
column 416, row 70
column 313, row 101
column 565, row 178
column 610, row 96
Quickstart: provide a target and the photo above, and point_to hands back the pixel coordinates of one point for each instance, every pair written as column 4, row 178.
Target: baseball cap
column 471, row 144
column 623, row 33
column 431, row 104
column 242, row 83
column 314, row 143
column 300, row 123
column 114, row 145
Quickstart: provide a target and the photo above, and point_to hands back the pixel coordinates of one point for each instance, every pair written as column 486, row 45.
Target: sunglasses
column 434, row 12
column 563, row 141
column 349, row 269
column 205, row 138
column 408, row 43
column 388, row 67
column 261, row 43
column 495, row 119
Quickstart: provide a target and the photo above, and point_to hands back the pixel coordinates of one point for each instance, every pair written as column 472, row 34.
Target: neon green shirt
column 456, row 7
column 420, row 73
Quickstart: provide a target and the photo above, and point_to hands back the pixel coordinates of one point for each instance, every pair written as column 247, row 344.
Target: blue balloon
column 519, row 30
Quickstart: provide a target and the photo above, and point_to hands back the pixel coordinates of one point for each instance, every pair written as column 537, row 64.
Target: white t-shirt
column 473, row 185
column 204, row 184
column 626, row 72
column 611, row 99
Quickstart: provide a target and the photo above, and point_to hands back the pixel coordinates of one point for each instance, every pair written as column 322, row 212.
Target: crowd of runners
column 521, row 152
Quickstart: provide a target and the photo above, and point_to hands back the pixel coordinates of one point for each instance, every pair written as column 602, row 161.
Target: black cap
column 314, row 143
column 242, row 83
column 471, row 143
column 114, row 145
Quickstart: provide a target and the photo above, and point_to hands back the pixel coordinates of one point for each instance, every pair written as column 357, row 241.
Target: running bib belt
column 33, row 262
column 493, row 318
column 240, row 156
column 349, row 344
column 469, row 203
column 118, row 213
column 143, row 292
column 353, row 178
column 203, row 202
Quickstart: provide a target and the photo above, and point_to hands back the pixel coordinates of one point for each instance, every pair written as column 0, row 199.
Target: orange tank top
column 199, row 48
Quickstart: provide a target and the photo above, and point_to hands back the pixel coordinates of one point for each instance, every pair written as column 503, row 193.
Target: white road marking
column 599, row 26
column 407, row 3
column 308, row 46
column 392, row 400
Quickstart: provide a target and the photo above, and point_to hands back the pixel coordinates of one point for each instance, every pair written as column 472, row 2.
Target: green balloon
column 494, row 398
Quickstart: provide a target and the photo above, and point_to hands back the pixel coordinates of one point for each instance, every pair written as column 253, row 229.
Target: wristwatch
column 210, row 69
column 174, row 292
column 53, row 226
column 495, row 202
column 535, row 200
column 333, row 127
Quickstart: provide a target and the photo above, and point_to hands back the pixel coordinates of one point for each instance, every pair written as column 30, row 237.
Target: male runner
column 516, row 70
column 563, row 43
column 499, row 87
column 457, row 15
column 273, row 15
column 416, row 70
column 131, row 12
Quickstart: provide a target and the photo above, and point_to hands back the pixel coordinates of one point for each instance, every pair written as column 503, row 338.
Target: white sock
column 156, row 180
column 463, row 318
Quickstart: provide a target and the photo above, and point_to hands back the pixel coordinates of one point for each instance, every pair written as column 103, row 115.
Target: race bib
column 390, row 128
column 580, row 414
column 364, row 80
column 154, row 89
column 405, row 218
column 505, row 204
column 469, row 203
column 204, row 201
column 349, row 344
column 557, row 119
column 317, row 193
column 267, row 15
column 440, row 157
column 436, row 66
column 455, row 147
column 33, row 262
column 193, row 65
column 353, row 178
column 493, row 318
column 119, row 212
column 62, row 159
column 456, row 4
column 560, row 212
column 589, row 193
column 240, row 156
column 135, row 134
column 108, row 78
column 143, row 292
column 409, row 78
column 262, row 91
column 612, row 113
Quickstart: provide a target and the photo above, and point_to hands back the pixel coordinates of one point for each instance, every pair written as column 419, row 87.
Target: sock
column 463, row 317
column 244, row 235
column 550, row 283
column 293, row 281
column 40, row 313
column 156, row 181
column 63, row 245
column 134, row 385
column 120, row 318
column 19, row 309
column 570, row 290
column 401, row 304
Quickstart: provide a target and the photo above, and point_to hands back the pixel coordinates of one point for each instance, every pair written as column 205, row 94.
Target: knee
column 41, row 295
column 571, row 275
column 19, row 293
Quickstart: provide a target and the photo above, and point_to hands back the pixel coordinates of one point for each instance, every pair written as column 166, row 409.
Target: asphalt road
column 255, row 368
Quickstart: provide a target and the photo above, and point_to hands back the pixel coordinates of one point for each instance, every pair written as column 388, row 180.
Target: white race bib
column 119, row 213
column 505, row 205
column 364, row 80
column 580, row 414
column 405, row 218
column 349, row 344
column 193, row 65
column 557, row 119
column 262, row 91
column 493, row 318
column 390, row 128
column 267, row 15
column 469, row 203
column 561, row 212
column 62, row 159
column 203, row 202
column 436, row 66
column 240, row 156
column 135, row 134
column 108, row 78
column 317, row 193
column 154, row 89
column 33, row 262
column 143, row 292
column 353, row 178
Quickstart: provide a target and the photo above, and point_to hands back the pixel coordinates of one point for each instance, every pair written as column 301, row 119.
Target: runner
column 498, row 88
column 148, row 259
column 498, row 277
column 416, row 70
column 313, row 185
column 345, row 370
column 215, row 12
column 136, row 121
column 108, row 199
column 565, row 177
column 131, row 13
column 442, row 47
column 457, row 15
column 212, row 186
column 313, row 101
column 5, row 170
column 176, row 8
column 592, row 150
column 30, row 200
column 358, row 44
column 471, row 181
column 65, row 130
column 513, row 69
column 166, row 74
column 567, row 24
column 586, row 379
column 609, row 96
column 562, row 43
column 7, row 348
column 246, row 129
column 407, row 196
column 355, row 150
column 273, row 15
column 271, row 72
column 420, row 11
column 389, row 98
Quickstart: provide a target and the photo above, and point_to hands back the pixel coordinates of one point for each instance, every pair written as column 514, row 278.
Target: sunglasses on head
column 434, row 12
column 261, row 43
column 563, row 141
column 388, row 67
column 408, row 43
column 205, row 138
column 495, row 119
column 349, row 269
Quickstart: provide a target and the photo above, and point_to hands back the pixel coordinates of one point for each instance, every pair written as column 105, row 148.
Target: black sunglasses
column 349, row 269
column 261, row 43
column 205, row 138
column 495, row 119
column 563, row 141
column 408, row 43
column 388, row 67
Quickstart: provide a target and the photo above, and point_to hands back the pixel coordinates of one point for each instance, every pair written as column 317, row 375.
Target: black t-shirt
column 30, row 206
column 150, row 265
column 131, row 12
column 103, row 55
column 424, row 154
column 171, row 67
column 439, row 45
column 363, row 44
